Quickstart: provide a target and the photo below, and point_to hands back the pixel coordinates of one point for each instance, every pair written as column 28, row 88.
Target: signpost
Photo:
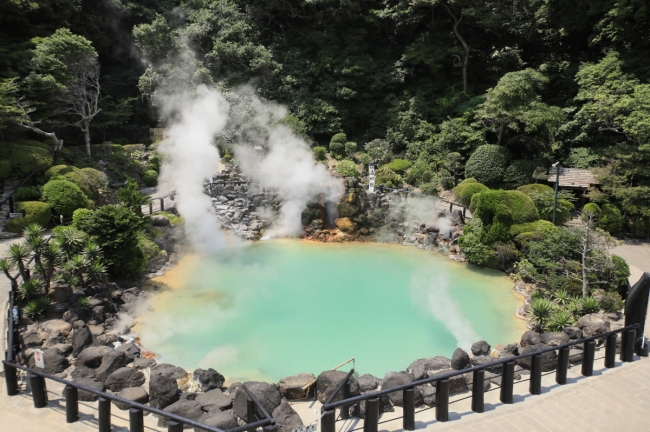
column 38, row 359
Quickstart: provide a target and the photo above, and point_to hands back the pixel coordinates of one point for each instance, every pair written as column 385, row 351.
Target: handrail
column 426, row 196
column 138, row 405
column 338, row 389
column 328, row 406
column 259, row 405
column 17, row 187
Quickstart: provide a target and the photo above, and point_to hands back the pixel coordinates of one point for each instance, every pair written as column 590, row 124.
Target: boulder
column 368, row 383
column 592, row 325
column 359, row 410
column 82, row 372
column 55, row 338
column 81, row 339
column 513, row 348
column 54, row 360
column 213, row 400
column 460, row 359
column 135, row 394
column 56, row 325
column 555, row 338
column 420, row 367
column 574, row 333
column 268, row 395
column 33, row 339
column 219, row 419
column 163, row 391
column 548, row 358
column 123, row 378
column 484, row 360
column 469, row 380
column 395, row 379
column 112, row 361
column 208, row 379
column 530, row 338
column 457, row 383
column 143, row 363
column 575, row 356
column 428, row 394
column 292, row 387
column 92, row 356
column 344, row 224
column 286, row 418
column 160, row 221
column 328, row 381
column 61, row 294
column 190, row 409
column 169, row 370
column 481, row 348
column 93, row 384
column 130, row 350
column 65, row 349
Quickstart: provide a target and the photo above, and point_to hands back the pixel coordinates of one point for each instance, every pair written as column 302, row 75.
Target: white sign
column 38, row 359
column 371, row 172
column 15, row 215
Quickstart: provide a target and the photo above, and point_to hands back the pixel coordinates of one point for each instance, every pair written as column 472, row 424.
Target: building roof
column 573, row 177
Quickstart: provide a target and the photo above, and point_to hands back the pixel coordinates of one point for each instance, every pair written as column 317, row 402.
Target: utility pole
column 556, row 165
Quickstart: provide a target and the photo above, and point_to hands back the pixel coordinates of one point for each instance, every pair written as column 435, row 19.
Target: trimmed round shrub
column 540, row 226
column 610, row 219
column 530, row 189
column 465, row 191
column 591, row 208
column 337, row 144
column 81, row 216
column 5, row 168
column 429, row 188
column 350, row 148
column 488, row 164
column 146, row 141
column 504, row 207
column 25, row 160
column 31, row 143
column 419, row 173
column 347, row 168
column 59, row 170
column 154, row 163
column 520, row 172
column 611, row 302
column 398, row 165
column 33, row 212
column 319, row 153
column 150, row 178
column 27, row 193
column 387, row 177
column 89, row 180
column 468, row 180
column 64, row 197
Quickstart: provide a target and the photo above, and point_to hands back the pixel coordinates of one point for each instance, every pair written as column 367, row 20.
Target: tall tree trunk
column 457, row 22
column 86, row 130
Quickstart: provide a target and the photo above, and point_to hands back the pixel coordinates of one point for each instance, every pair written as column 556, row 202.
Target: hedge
column 499, row 210
column 337, row 143
column 520, row 172
column 130, row 148
column 398, row 165
column 541, row 226
column 24, row 160
column 33, row 212
column 465, row 191
column 319, row 153
column 530, row 189
column 347, row 168
column 488, row 164
column 89, row 180
column 150, row 178
column 64, row 197
column 610, row 219
column 27, row 193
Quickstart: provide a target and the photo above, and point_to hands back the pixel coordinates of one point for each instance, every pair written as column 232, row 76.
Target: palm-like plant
column 70, row 239
column 18, row 254
column 561, row 297
column 92, row 250
column 36, row 243
column 52, row 257
column 574, row 307
column 77, row 266
column 132, row 198
column 96, row 272
column 537, row 294
column 82, row 303
column 6, row 267
column 589, row 305
column 36, row 307
column 29, row 289
column 560, row 319
column 541, row 310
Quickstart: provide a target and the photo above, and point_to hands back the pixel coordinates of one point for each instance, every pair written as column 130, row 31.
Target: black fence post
column 136, row 420
column 37, row 383
column 535, row 386
column 11, row 379
column 104, row 409
column 271, row 428
column 174, row 426
column 588, row 354
column 71, row 404
column 371, row 420
column 345, row 409
column 464, row 212
column 328, row 421
column 11, row 204
column 162, row 204
column 507, row 382
column 451, row 207
column 150, row 207
column 442, row 400
column 627, row 347
column 610, row 351
column 408, row 421
column 562, row 366
column 478, row 396
column 250, row 411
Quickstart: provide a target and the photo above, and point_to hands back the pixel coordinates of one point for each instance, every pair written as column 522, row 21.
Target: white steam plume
column 190, row 156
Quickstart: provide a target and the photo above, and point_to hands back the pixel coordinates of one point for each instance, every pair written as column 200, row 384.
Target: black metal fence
column 434, row 198
column 372, row 412
column 161, row 204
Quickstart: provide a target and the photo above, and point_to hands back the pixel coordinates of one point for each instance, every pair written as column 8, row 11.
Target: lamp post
column 556, row 165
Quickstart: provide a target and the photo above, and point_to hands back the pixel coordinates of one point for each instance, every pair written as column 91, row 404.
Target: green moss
column 465, row 191
column 176, row 220
column 468, row 180
column 540, row 226
column 530, row 189
column 33, row 212
column 25, row 160
column 398, row 165
column 64, row 197
column 150, row 178
column 30, row 143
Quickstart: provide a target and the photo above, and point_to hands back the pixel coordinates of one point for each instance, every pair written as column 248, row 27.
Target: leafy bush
column 498, row 210
column 611, row 302
column 488, row 164
column 337, row 144
column 24, row 160
column 541, row 310
column 347, row 168
column 27, row 193
column 378, row 149
column 530, row 189
column 64, row 197
column 81, row 216
column 465, row 191
column 545, row 203
column 33, row 212
column 419, row 173
column 591, row 208
column 398, row 165
column 475, row 251
column 154, row 163
column 429, row 189
column 148, row 248
column 117, row 231
column 150, row 178
column 146, row 141
column 610, row 219
column 36, row 307
column 387, row 177
column 94, row 180
column 589, row 305
column 31, row 143
column 558, row 320
column 5, row 168
column 540, row 226
column 89, row 180
column 520, row 172
column 130, row 148
column 319, row 153
column 350, row 148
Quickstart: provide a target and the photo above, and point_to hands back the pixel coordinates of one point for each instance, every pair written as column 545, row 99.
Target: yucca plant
column 18, row 255
column 36, row 307
column 35, row 242
column 77, row 266
column 96, row 272
column 561, row 297
column 7, row 267
column 52, row 257
column 82, row 303
column 29, row 289
column 70, row 239
column 541, row 309
column 574, row 307
column 560, row 319
column 589, row 305
column 537, row 294
column 92, row 250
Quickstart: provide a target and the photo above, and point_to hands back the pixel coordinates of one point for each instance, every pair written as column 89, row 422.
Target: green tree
column 132, row 198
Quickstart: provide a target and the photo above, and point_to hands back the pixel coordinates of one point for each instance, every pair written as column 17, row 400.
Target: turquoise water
column 279, row 308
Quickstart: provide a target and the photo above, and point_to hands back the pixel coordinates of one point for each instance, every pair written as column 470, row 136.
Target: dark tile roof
column 573, row 177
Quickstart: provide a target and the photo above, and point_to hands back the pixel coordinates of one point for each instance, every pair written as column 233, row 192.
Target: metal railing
column 435, row 198
column 371, row 418
column 161, row 206
column 10, row 198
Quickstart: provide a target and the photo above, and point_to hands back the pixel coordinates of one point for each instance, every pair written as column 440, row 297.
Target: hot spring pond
column 278, row 308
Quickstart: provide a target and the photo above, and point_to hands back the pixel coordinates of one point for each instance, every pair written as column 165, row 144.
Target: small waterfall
column 331, row 213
